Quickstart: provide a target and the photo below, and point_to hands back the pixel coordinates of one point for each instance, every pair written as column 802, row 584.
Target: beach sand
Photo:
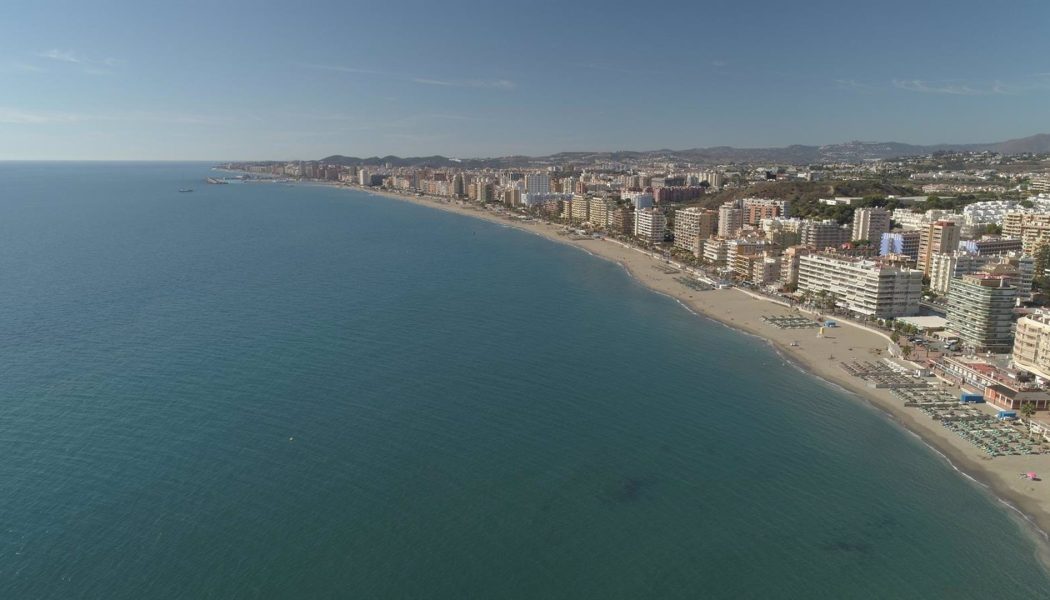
column 737, row 308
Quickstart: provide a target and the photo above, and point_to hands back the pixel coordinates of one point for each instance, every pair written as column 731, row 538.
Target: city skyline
column 255, row 81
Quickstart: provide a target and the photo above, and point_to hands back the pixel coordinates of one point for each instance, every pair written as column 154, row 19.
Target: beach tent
column 1032, row 475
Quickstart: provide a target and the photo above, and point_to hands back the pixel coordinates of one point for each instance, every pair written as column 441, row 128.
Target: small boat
column 185, row 190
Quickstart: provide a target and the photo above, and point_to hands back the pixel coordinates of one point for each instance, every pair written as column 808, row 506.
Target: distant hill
column 1035, row 144
column 797, row 154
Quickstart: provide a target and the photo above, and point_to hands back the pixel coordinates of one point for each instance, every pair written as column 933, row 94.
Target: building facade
column 692, row 226
column 980, row 310
column 1031, row 351
column 601, row 210
column 650, row 225
column 904, row 243
column 821, row 235
column 992, row 245
column 1017, row 268
column 621, row 221
column 862, row 286
column 538, row 183
column 870, row 223
column 1033, row 229
column 581, row 209
column 730, row 220
column 939, row 237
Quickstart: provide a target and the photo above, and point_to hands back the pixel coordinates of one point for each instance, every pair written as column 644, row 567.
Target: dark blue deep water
column 266, row 391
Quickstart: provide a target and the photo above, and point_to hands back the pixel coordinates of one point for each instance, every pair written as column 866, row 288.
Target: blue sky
column 255, row 80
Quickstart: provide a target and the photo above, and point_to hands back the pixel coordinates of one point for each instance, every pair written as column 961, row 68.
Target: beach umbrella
column 1031, row 475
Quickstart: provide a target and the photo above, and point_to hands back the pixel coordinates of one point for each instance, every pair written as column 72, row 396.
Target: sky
column 238, row 80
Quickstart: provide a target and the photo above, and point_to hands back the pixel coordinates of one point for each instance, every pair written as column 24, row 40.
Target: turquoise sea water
column 265, row 391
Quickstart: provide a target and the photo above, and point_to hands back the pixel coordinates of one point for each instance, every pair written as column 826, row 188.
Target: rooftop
column 931, row 323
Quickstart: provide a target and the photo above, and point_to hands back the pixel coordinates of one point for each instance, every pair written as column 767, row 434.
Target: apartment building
column 991, row 245
column 945, row 268
column 980, row 310
column 621, row 221
column 716, row 251
column 790, row 263
column 692, row 226
column 756, row 209
column 1033, row 229
column 821, row 235
column 939, row 237
column 862, row 286
column 730, row 220
column 870, row 223
column 650, row 225
column 601, row 210
column 581, row 209
column 1031, row 351
column 904, row 243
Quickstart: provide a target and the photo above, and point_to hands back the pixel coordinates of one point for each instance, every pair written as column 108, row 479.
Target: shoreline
column 1026, row 501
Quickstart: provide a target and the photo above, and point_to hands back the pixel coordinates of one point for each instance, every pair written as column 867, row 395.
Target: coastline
column 1027, row 501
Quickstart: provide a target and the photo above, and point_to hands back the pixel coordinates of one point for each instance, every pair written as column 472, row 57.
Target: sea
column 266, row 390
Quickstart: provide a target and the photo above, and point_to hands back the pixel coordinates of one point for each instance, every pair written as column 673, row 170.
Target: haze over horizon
column 255, row 81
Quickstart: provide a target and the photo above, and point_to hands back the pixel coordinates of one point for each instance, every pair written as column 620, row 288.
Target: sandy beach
column 737, row 308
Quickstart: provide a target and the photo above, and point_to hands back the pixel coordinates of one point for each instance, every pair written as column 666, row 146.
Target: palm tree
column 905, row 351
column 1028, row 411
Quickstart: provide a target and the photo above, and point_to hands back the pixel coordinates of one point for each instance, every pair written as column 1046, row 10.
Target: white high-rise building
column 862, row 286
column 538, row 183
column 650, row 225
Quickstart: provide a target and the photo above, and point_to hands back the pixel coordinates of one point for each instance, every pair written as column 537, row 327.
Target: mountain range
column 796, row 154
